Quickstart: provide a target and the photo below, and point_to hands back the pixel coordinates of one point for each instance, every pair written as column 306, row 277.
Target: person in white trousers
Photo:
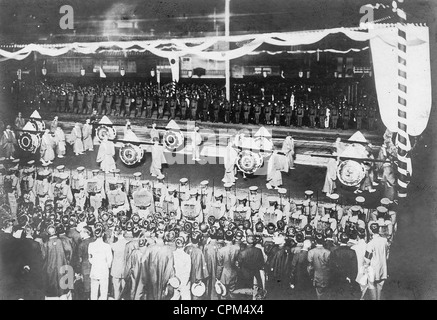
column 100, row 257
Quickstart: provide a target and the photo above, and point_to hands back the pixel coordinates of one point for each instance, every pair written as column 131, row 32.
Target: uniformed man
column 337, row 209
column 246, row 111
column 193, row 107
column 173, row 104
column 268, row 113
column 27, row 184
column 359, row 116
column 216, row 107
column 11, row 185
column 241, row 211
column 272, row 214
column 138, row 105
column 334, row 114
column 191, row 209
column 71, row 95
column 257, row 111
column 109, row 97
column 371, row 118
column 288, row 114
column 95, row 190
column 300, row 112
column 184, row 105
column 205, row 195
column 364, row 212
column 229, row 197
column 255, row 200
column 346, row 117
column 61, row 191
column 80, row 99
column 183, row 192
column 284, row 204
column 154, row 133
column 217, row 207
column 170, row 203
column 350, row 220
column 312, row 113
column 322, row 115
column 142, row 198
column 310, row 206
column 117, row 198
column 78, row 183
column 43, row 188
column 237, row 107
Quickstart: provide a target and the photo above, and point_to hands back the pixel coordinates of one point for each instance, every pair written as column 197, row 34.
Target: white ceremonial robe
column 87, row 137
column 229, row 162
column 274, row 168
column 331, row 176
column 60, row 142
column 46, row 150
column 76, row 140
column 106, row 156
column 288, row 149
column 158, row 159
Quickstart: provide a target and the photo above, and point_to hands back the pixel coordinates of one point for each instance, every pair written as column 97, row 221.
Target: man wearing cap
column 60, row 145
column 87, row 130
column 196, row 141
column 375, row 258
column 158, row 159
column 299, row 277
column 61, row 191
column 191, row 209
column 205, row 195
column 95, row 190
column 183, row 190
column 75, row 139
column 278, row 265
column 19, row 122
column 117, row 198
column 105, row 155
column 27, row 184
column 241, row 211
column 134, row 184
column 210, row 251
column 227, row 263
column 230, row 159
column 43, row 187
column 229, row 197
column 254, row 199
column 272, row 214
column 318, row 259
column 284, row 203
column 100, row 257
column 8, row 142
column 310, row 207
column 217, row 206
column 170, row 203
column 78, row 183
column 154, row 133
column 337, row 209
column 54, row 124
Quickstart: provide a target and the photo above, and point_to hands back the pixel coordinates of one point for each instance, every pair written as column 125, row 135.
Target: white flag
column 102, row 74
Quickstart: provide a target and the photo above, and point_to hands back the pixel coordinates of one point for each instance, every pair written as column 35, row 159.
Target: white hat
column 183, row 180
column 174, row 282
column 204, row 183
column 282, row 191
column 227, row 185
column 253, row 188
column 309, row 192
column 160, row 177
column 60, row 167
column 137, row 174
column 334, row 196
column 80, row 168
column 198, row 289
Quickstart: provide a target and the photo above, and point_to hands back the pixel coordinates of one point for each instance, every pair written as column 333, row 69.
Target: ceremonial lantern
column 131, row 154
column 249, row 162
column 105, row 128
column 173, row 137
column 351, row 172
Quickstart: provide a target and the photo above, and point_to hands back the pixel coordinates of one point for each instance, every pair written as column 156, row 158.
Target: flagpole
column 227, row 61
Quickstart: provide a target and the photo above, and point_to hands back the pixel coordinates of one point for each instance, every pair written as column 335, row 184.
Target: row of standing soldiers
column 198, row 105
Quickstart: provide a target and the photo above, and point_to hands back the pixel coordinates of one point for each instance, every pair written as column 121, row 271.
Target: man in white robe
column 288, row 150
column 330, row 177
column 196, row 140
column 106, row 155
column 277, row 163
column 158, row 159
column 46, row 150
column 60, row 142
column 76, row 139
column 229, row 162
column 87, row 130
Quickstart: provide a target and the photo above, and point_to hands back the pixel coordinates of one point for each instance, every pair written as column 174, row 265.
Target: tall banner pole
column 403, row 140
column 227, row 61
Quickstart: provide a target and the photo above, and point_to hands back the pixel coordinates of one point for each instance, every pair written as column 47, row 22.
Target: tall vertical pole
column 227, row 61
column 403, row 141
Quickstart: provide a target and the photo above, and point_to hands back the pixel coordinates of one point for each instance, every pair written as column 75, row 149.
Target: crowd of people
column 80, row 235
column 321, row 106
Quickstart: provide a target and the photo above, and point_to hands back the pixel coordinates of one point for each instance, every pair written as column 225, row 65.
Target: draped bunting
column 383, row 44
column 385, row 65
